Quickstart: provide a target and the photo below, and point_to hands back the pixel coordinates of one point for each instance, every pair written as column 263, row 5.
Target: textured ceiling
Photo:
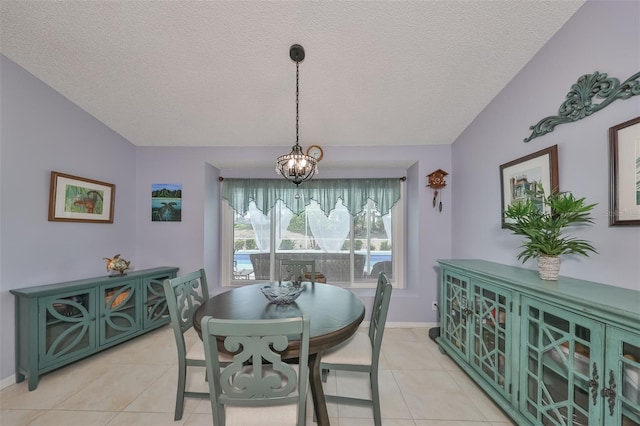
column 218, row 73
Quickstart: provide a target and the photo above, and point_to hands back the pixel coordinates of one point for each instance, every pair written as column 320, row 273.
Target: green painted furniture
column 295, row 270
column 336, row 314
column 361, row 353
column 58, row 324
column 184, row 295
column 258, row 387
column 547, row 352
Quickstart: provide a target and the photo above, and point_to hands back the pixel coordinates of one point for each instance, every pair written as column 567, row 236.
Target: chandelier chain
column 297, row 99
column 297, row 167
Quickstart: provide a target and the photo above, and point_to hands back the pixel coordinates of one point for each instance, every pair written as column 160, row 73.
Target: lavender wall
column 601, row 36
column 41, row 131
column 195, row 242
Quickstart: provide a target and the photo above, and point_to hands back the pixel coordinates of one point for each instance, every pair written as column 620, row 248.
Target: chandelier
column 296, row 166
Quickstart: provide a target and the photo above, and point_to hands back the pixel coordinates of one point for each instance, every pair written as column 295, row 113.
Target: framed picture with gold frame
column 624, row 173
column 78, row 199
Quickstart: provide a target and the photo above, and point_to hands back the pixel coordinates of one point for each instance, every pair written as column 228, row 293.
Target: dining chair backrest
column 379, row 312
column 184, row 295
column 361, row 353
column 295, row 270
column 257, row 376
column 385, row 266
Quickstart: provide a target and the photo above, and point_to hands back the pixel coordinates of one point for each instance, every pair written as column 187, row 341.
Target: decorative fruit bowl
column 281, row 293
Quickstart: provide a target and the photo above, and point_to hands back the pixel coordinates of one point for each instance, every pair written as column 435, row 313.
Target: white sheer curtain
column 386, row 222
column 329, row 232
column 261, row 224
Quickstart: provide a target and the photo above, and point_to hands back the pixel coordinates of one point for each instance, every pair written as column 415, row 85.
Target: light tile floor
column 134, row 384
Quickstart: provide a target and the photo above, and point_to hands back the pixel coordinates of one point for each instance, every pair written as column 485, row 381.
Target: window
column 348, row 249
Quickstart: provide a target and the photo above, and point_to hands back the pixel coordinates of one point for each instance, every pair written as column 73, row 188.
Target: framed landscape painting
column 624, row 180
column 166, row 202
column 77, row 199
column 518, row 178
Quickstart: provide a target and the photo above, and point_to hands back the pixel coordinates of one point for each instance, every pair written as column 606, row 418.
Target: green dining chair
column 184, row 295
column 361, row 353
column 295, row 270
column 258, row 387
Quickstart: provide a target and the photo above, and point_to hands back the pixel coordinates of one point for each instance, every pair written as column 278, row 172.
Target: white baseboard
column 7, row 381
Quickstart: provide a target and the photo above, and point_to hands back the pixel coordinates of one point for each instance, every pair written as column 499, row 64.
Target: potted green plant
column 541, row 219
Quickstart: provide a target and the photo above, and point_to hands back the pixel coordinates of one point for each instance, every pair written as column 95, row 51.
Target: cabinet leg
column 33, row 382
column 19, row 377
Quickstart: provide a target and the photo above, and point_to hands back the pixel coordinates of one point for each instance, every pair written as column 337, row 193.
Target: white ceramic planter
column 549, row 267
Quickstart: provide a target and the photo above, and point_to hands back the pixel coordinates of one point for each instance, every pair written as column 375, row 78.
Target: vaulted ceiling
column 218, row 73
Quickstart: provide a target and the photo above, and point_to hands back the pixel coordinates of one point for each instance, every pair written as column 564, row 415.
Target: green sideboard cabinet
column 60, row 323
column 547, row 352
column 479, row 327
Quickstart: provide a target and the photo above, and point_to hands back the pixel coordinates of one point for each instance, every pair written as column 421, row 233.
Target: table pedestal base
column 317, row 394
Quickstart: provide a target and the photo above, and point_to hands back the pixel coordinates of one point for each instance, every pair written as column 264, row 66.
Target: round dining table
column 335, row 314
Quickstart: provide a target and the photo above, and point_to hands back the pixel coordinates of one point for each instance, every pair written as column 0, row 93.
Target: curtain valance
column 354, row 194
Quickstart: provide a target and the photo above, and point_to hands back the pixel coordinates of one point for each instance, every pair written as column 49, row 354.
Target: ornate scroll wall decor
column 579, row 103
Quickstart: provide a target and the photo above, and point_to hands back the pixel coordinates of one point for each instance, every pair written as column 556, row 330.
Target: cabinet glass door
column 561, row 366
column 491, row 335
column 456, row 309
column 67, row 327
column 118, row 311
column 621, row 380
column 155, row 302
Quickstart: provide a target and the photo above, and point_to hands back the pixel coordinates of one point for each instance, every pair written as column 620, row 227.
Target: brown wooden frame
column 623, row 209
column 90, row 193
column 546, row 159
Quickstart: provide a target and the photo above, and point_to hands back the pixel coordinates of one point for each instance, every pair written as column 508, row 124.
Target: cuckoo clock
column 436, row 181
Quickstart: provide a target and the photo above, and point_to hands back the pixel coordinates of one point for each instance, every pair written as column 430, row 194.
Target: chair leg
column 375, row 397
column 182, row 378
column 323, row 376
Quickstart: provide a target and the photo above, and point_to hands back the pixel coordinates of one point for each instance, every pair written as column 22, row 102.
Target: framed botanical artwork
column 520, row 177
column 77, row 199
column 624, row 176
